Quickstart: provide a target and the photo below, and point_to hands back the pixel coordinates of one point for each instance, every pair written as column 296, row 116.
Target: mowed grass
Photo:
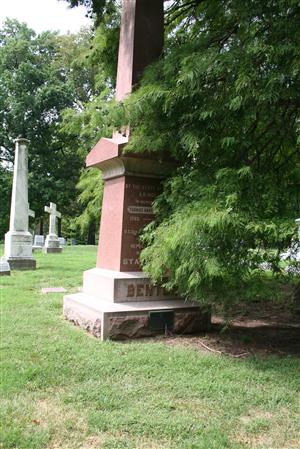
column 63, row 389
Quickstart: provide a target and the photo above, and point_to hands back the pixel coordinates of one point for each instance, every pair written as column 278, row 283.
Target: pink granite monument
column 118, row 300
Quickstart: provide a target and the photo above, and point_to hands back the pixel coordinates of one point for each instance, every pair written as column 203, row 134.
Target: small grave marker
column 47, row 290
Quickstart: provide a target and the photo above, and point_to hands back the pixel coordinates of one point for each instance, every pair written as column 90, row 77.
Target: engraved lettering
column 140, row 290
column 149, row 290
column 139, row 210
column 130, row 291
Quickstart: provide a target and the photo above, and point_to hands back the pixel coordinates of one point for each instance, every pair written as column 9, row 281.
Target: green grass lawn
column 63, row 389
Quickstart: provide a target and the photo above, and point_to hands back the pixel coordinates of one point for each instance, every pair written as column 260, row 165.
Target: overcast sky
column 42, row 15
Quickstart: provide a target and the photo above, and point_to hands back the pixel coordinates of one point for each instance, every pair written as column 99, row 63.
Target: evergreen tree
column 224, row 102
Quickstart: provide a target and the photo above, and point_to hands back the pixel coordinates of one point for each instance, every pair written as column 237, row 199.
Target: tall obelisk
column 18, row 240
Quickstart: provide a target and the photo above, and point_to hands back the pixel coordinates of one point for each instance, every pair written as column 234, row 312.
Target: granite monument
column 118, row 300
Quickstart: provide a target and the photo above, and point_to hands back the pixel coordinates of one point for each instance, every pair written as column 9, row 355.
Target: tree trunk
column 59, row 227
column 41, row 226
column 91, row 234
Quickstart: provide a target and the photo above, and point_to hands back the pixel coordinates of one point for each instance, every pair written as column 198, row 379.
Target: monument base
column 18, row 263
column 52, row 244
column 51, row 250
column 36, row 248
column 120, row 305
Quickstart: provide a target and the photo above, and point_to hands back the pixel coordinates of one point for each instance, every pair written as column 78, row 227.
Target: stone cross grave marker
column 52, row 242
column 18, row 240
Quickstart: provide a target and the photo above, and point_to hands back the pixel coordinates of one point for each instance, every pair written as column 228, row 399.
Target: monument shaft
column 131, row 182
column 128, row 208
column 141, row 41
column 19, row 200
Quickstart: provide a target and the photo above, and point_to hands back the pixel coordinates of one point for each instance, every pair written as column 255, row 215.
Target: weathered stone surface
column 129, row 327
column 87, row 322
column 49, row 250
column 4, row 268
column 22, row 264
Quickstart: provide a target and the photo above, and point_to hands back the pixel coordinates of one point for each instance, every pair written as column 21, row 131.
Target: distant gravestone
column 52, row 242
column 38, row 243
column 47, row 290
column 62, row 241
column 18, row 240
column 4, row 268
column 293, row 253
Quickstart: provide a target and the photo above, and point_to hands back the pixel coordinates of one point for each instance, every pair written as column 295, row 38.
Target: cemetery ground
column 63, row 389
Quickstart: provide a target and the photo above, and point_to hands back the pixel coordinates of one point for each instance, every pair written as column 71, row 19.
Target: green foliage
column 97, row 9
column 5, row 192
column 41, row 75
column 85, row 125
column 104, row 49
column 224, row 102
column 90, row 186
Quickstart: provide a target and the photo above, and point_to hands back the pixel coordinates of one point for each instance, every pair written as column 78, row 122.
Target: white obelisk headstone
column 18, row 240
column 52, row 243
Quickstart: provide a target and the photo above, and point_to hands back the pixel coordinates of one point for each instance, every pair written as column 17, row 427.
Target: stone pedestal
column 118, row 300
column 118, row 305
column 52, row 244
column 18, row 250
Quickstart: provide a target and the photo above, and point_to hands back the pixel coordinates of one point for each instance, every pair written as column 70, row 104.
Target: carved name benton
column 146, row 290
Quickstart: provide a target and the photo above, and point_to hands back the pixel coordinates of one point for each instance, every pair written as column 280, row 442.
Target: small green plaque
column 161, row 320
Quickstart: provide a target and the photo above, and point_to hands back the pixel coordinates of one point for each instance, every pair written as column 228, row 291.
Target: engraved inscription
column 139, row 210
column 146, row 290
column 139, row 196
